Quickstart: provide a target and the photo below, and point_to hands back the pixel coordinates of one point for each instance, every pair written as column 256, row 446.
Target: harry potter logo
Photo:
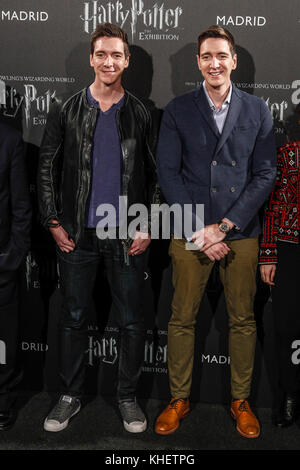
column 104, row 348
column 158, row 17
column 31, row 100
column 155, row 355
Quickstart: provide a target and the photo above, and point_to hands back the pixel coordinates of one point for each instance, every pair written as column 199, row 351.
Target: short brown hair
column 111, row 31
column 215, row 31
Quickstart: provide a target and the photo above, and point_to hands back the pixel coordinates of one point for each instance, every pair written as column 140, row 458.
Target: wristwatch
column 224, row 227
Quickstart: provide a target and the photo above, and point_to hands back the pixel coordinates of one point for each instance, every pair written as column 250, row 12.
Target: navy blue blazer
column 15, row 208
column 230, row 173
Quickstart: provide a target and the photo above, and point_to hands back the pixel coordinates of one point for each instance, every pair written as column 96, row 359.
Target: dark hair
column 111, row 31
column 215, row 31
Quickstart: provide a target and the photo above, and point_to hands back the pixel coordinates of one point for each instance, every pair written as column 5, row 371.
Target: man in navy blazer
column 15, row 220
column 216, row 148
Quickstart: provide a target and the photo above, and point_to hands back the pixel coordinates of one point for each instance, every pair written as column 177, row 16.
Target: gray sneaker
column 58, row 418
column 134, row 419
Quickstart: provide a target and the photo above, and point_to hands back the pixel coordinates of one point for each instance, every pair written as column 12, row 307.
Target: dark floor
column 98, row 427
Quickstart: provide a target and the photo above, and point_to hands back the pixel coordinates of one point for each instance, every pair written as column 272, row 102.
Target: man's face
column 108, row 60
column 216, row 62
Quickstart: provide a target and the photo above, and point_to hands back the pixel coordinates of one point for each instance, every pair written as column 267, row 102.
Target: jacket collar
column 88, row 105
column 232, row 116
column 205, row 110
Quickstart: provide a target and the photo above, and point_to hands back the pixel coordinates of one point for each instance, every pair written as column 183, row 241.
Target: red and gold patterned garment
column 282, row 213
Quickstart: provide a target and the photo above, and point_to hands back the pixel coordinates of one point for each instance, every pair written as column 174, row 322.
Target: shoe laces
column 175, row 403
column 244, row 406
column 131, row 411
column 61, row 410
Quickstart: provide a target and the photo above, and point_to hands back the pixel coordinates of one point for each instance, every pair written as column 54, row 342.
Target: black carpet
column 98, row 427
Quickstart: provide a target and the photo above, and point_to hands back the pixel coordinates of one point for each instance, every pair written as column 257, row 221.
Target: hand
column 267, row 272
column 140, row 243
column 62, row 238
column 208, row 236
column 217, row 251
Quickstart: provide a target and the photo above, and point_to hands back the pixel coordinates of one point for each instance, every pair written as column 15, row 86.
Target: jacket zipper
column 85, row 175
column 124, row 189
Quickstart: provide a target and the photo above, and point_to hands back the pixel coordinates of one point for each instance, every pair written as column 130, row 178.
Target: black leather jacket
column 64, row 173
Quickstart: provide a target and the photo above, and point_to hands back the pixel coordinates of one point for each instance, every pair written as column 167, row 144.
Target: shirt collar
column 210, row 102
column 94, row 103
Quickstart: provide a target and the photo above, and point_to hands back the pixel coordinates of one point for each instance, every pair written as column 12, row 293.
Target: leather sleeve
column 155, row 115
column 49, row 163
column 154, row 192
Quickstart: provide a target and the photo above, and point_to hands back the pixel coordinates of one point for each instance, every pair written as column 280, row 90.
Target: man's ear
column 127, row 61
column 234, row 58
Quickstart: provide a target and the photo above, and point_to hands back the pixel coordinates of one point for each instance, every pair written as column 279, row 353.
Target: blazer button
column 233, row 163
column 232, row 189
column 213, row 190
column 214, row 162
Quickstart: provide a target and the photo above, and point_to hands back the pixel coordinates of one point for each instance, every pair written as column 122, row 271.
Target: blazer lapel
column 206, row 112
column 232, row 116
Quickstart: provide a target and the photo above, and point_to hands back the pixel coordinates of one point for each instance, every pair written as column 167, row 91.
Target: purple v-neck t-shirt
column 106, row 165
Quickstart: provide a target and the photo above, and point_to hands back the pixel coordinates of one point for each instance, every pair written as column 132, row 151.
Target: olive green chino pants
column 191, row 270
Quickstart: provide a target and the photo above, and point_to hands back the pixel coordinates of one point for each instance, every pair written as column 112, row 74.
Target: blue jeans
column 78, row 271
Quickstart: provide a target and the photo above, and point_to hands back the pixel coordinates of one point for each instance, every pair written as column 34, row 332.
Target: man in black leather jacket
column 98, row 145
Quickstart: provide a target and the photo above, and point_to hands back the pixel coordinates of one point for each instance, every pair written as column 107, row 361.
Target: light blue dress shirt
column 219, row 115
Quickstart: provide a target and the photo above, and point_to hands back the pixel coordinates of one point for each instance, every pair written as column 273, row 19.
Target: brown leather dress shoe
column 246, row 422
column 169, row 420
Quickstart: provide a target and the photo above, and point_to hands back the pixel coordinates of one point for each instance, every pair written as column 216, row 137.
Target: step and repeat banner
column 44, row 52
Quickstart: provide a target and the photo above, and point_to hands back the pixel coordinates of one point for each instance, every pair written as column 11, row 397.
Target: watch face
column 224, row 227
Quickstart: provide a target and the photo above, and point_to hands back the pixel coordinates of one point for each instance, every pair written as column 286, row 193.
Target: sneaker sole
column 254, row 436
column 133, row 429
column 49, row 427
